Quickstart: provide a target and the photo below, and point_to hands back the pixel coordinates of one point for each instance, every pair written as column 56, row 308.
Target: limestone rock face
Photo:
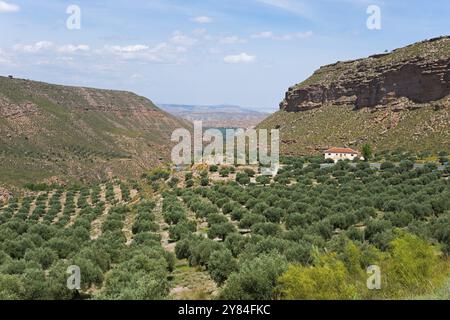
column 420, row 73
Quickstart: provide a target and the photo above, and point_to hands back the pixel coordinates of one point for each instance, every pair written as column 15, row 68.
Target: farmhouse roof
column 342, row 150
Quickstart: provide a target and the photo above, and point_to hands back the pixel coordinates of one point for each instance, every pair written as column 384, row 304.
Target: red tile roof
column 342, row 150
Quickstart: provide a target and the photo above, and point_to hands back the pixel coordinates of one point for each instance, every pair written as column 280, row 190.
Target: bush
column 328, row 279
column 44, row 256
column 387, row 166
column 273, row 214
column 182, row 230
column 242, row 178
column 250, row 219
column 414, row 267
column 266, row 229
column 263, row 180
column 204, row 182
column 220, row 265
column 256, row 278
column 221, row 230
column 189, row 183
column 224, row 172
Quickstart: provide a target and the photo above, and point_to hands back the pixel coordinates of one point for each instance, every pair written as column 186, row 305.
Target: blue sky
column 243, row 52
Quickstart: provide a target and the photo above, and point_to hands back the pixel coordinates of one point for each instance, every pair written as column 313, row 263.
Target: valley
column 201, row 234
column 221, row 116
column 87, row 180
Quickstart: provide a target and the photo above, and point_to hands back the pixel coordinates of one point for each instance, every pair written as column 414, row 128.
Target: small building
column 337, row 154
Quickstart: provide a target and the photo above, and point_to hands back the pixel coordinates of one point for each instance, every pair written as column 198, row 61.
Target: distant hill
column 78, row 133
column 394, row 100
column 220, row 116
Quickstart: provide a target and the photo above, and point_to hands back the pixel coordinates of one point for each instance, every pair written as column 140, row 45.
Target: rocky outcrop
column 419, row 73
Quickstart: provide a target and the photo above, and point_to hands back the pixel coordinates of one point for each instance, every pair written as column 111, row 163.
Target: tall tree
column 367, row 152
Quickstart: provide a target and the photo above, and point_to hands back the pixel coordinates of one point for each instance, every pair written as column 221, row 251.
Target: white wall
column 341, row 156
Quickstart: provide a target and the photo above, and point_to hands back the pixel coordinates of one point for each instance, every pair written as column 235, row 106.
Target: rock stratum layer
column 398, row 99
column 75, row 133
column 420, row 72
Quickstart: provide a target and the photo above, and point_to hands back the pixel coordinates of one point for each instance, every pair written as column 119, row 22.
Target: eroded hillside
column 394, row 100
column 51, row 131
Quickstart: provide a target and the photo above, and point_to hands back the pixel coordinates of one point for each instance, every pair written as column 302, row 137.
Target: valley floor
column 233, row 234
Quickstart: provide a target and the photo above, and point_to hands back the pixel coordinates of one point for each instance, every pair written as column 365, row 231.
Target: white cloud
column 163, row 52
column 285, row 37
column 240, row 58
column 180, row 39
column 127, row 49
column 231, row 40
column 34, row 48
column 202, row 19
column 70, row 48
column 293, row 6
column 6, row 7
column 43, row 46
column 298, row 35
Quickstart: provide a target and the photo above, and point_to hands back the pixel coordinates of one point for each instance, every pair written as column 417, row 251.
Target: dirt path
column 103, row 193
column 191, row 283
column 77, row 211
column 188, row 283
column 117, row 193
column 163, row 226
column 63, row 200
column 128, row 226
column 133, row 193
column 96, row 225
column 33, row 204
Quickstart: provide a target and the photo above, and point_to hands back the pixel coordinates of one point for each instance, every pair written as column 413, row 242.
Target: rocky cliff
column 420, row 73
column 399, row 99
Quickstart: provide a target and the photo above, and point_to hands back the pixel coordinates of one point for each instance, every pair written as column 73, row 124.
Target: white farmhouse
column 337, row 154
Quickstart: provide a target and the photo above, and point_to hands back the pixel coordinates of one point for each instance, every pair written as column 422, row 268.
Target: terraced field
column 240, row 235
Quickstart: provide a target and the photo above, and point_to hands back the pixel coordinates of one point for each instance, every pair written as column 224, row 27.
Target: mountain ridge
column 79, row 133
column 222, row 116
column 399, row 99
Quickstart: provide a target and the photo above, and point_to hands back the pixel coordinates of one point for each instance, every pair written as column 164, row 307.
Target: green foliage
column 327, row 279
column 224, row 172
column 158, row 174
column 367, row 152
column 242, row 178
column 220, row 265
column 256, row 278
column 410, row 267
column 414, row 267
column 314, row 229
column 221, row 230
column 182, row 229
